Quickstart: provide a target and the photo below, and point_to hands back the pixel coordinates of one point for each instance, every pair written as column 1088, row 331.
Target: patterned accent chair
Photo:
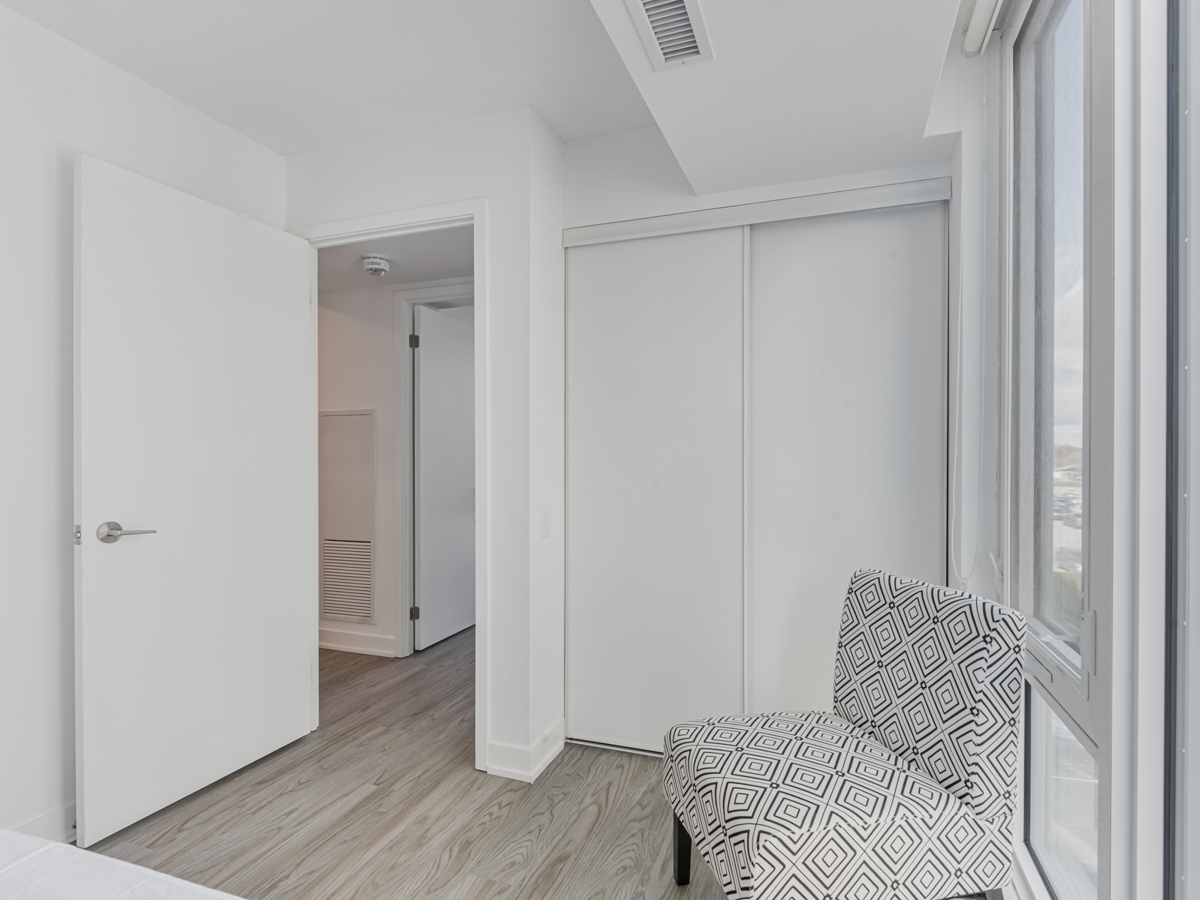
column 908, row 791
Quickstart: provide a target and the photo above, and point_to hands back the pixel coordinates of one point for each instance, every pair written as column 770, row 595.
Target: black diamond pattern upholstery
column 907, row 791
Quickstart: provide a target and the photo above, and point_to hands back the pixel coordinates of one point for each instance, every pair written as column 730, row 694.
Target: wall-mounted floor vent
column 672, row 31
column 347, row 589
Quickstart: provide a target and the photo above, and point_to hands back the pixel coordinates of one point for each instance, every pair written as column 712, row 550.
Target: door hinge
column 414, row 612
column 414, row 341
column 78, row 535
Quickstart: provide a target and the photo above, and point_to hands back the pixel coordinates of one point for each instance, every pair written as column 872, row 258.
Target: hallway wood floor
column 383, row 801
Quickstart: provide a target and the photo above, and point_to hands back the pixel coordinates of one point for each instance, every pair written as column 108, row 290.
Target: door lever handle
column 111, row 532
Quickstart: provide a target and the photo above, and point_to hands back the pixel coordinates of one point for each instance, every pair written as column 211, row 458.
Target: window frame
column 1071, row 687
column 1085, row 704
column 1182, row 808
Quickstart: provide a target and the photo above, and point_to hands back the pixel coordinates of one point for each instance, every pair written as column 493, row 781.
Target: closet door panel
column 654, row 485
column 846, row 430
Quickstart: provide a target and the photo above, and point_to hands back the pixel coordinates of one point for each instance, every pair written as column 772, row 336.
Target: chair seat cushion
column 805, row 804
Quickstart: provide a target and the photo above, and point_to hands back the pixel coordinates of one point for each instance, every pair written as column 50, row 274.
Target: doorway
column 396, row 393
column 233, row 403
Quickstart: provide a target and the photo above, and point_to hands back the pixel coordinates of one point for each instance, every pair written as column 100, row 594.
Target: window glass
column 1050, row 299
column 1063, row 799
column 1059, row 598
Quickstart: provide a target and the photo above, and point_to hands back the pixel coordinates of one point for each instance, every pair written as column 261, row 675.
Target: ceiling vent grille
column 672, row 31
column 346, row 581
column 672, row 27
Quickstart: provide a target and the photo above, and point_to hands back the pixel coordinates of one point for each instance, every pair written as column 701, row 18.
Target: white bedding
column 36, row 869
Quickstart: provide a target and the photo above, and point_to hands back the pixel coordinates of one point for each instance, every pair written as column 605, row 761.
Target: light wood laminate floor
column 383, row 801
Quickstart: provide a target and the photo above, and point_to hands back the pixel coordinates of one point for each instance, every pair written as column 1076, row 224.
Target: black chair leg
column 683, row 854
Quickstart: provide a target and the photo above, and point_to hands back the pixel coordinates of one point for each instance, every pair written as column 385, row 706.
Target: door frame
column 413, row 221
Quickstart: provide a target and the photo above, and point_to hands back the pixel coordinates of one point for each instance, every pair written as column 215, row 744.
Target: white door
column 846, row 430
column 445, row 475
column 654, row 485
column 195, row 417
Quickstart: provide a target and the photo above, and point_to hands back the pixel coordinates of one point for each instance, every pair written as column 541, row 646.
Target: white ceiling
column 423, row 256
column 299, row 74
column 797, row 89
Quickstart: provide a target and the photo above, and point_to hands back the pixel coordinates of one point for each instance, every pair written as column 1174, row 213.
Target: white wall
column 511, row 160
column 547, row 452
column 968, row 102
column 59, row 101
column 633, row 174
column 977, row 526
column 357, row 369
column 462, row 313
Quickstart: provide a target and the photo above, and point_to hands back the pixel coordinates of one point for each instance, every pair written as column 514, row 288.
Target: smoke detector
column 376, row 265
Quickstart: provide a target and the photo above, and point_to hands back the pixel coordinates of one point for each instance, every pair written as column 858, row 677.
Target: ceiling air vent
column 672, row 31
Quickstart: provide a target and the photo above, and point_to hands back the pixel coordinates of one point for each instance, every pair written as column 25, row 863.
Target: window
column 1050, row 460
column 1062, row 805
column 1059, row 523
column 1052, row 457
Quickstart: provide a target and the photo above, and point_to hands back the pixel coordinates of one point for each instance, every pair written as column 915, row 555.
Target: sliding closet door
column 654, row 485
column 846, row 430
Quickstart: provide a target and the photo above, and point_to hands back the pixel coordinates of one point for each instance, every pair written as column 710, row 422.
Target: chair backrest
column 935, row 675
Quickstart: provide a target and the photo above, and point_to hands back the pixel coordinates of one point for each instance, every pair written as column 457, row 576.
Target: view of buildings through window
column 1060, row 594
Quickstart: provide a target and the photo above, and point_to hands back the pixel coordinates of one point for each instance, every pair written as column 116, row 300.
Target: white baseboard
column 56, row 825
column 548, row 746
column 350, row 642
column 526, row 763
column 508, row 761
